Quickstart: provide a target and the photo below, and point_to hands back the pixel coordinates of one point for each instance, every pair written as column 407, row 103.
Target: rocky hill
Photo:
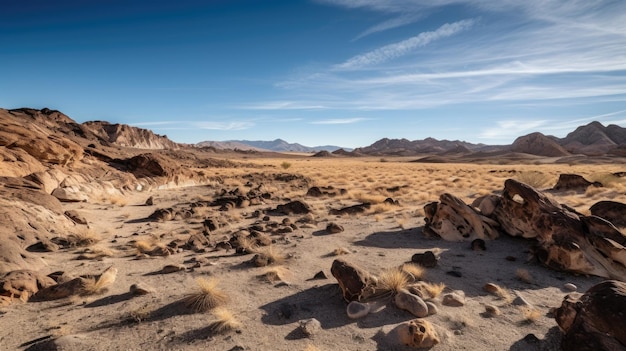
column 127, row 136
column 592, row 139
column 278, row 145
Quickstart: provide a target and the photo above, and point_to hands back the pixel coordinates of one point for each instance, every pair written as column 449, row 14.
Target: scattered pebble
column 454, row 299
column 521, row 301
column 491, row 288
column 570, row 287
column 171, row 268
column 455, row 274
column 320, row 275
column 492, row 310
column 479, row 245
column 140, row 289
column 334, row 228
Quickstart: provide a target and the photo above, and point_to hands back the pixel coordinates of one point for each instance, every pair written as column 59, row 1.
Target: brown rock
column 23, row 284
column 334, row 228
column 294, row 207
column 426, row 259
column 355, row 283
column 595, row 321
column 573, row 182
column 612, row 211
column 410, row 302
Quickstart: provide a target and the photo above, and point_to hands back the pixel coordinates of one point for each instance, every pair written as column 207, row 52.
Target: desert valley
column 115, row 238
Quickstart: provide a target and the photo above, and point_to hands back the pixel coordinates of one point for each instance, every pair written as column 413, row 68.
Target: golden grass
column 101, row 284
column 275, row 275
column 415, row 271
column 84, row 238
column 310, row 348
column 531, row 315
column 393, row 279
column 207, row 297
column 501, row 293
column 340, row 251
column 225, row 320
column 118, row 200
column 434, row 289
column 536, row 179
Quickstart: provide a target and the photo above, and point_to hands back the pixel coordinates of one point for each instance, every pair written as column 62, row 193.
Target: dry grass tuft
column 340, row 251
column 118, row 200
column 100, row 284
column 523, row 275
column 531, row 315
column 394, row 279
column 433, row 289
column 225, row 320
column 85, row 238
column 310, row 348
column 535, row 179
column 208, row 296
column 415, row 271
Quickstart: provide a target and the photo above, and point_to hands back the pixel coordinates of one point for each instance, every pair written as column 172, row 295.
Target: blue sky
column 342, row 72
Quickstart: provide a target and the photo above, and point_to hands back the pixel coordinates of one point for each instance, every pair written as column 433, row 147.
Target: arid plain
column 237, row 255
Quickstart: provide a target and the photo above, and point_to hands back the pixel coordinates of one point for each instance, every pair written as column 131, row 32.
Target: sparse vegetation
column 523, row 275
column 225, row 320
column 285, row 165
column 83, row 238
column 394, row 279
column 415, row 271
column 531, row 315
column 207, row 297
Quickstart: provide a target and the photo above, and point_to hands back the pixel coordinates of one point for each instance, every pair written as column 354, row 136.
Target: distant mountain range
column 277, row 145
column 593, row 139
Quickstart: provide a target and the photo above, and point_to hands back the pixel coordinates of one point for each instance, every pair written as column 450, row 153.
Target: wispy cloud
column 154, row 123
column 511, row 128
column 404, row 47
column 392, row 23
column 236, row 125
column 283, row 105
column 339, row 121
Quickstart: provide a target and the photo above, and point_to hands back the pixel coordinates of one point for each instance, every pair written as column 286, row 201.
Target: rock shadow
column 110, row 300
column 551, row 341
column 408, row 239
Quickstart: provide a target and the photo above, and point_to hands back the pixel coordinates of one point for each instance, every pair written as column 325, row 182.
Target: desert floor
column 268, row 302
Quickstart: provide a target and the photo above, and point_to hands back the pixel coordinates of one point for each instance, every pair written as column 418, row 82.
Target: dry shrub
column 501, row 293
column 535, row 179
column 118, row 200
column 247, row 244
column 225, row 320
column 415, row 271
column 523, row 275
column 207, row 297
column 381, row 208
column 592, row 191
column 371, row 198
column 268, row 256
column 96, row 253
column 394, row 279
column 100, row 284
column 84, row 238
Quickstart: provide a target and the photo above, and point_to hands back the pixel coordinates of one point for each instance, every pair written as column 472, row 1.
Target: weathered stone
column 69, row 194
column 573, row 182
column 432, row 308
column 334, row 228
column 355, row 283
column 569, row 287
column 492, row 310
column 172, row 268
column 454, row 299
column 76, row 217
column 411, row 302
column 478, row 245
column 453, row 220
column 149, row 201
column 612, row 211
column 310, row 326
column 294, row 207
column 350, row 210
column 140, row 289
column 426, row 259
column 418, row 333
column 597, row 320
column 22, row 284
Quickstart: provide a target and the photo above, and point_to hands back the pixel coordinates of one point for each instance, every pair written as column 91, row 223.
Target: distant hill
column 277, row 145
column 592, row 139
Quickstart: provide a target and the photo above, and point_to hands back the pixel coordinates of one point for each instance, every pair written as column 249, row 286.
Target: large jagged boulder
column 453, row 220
column 565, row 239
column 574, row 182
column 612, row 211
column 596, row 321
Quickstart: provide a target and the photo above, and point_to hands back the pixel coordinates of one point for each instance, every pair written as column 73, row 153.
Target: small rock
column 531, row 339
column 426, row 259
column 140, row 289
column 492, row 310
column 310, row 326
column 357, row 310
column 412, row 303
column 432, row 308
column 570, row 287
column 479, row 245
column 418, row 333
column 150, row 201
column 320, row 275
column 334, row 228
column 454, row 299
column 491, row 288
column 520, row 301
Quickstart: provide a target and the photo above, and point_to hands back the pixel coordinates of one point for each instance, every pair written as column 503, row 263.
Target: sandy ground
column 270, row 312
